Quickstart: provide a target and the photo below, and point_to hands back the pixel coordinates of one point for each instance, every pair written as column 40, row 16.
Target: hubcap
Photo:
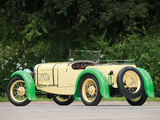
column 91, row 90
column 131, row 81
column 21, row 91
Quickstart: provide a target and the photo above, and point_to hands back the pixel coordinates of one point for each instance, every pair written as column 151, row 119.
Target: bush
column 144, row 50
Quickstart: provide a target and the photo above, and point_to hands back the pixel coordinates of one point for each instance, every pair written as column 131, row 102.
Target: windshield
column 88, row 55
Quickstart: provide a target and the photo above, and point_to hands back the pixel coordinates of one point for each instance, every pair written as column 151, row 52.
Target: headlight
column 34, row 70
column 29, row 71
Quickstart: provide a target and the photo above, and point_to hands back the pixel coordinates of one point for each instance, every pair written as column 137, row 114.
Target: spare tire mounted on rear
column 130, row 82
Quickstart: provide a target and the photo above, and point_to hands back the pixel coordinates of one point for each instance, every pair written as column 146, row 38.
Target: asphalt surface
column 106, row 110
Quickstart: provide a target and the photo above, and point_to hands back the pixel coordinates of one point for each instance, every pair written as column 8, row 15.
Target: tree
column 31, row 30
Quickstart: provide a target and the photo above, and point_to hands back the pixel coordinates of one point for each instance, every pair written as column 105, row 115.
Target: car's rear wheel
column 63, row 99
column 138, row 101
column 90, row 91
column 130, row 82
column 16, row 92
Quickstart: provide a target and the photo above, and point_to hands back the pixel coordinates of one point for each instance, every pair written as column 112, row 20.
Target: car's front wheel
column 90, row 91
column 16, row 92
column 63, row 99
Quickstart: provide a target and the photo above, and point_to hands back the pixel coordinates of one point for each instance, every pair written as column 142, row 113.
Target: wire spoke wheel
column 130, row 82
column 90, row 91
column 138, row 101
column 63, row 99
column 16, row 92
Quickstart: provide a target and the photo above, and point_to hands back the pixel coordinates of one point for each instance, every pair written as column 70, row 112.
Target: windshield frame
column 90, row 51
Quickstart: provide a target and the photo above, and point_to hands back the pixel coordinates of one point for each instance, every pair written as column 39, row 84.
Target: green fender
column 148, row 83
column 104, row 86
column 30, row 87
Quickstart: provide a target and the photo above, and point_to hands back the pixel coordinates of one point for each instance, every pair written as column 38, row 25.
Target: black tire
column 138, row 101
column 90, row 91
column 130, row 82
column 16, row 92
column 63, row 99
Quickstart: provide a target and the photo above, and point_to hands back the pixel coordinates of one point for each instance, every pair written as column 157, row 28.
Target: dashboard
column 81, row 65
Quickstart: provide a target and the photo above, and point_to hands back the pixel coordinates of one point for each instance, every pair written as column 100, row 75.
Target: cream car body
column 60, row 78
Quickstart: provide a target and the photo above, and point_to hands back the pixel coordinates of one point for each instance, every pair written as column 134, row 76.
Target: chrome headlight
column 29, row 71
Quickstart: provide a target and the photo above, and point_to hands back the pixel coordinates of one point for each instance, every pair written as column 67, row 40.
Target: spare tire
column 130, row 82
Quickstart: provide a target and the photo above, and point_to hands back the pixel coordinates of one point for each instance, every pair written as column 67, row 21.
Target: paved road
column 106, row 110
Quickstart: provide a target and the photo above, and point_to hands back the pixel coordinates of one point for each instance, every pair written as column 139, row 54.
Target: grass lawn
column 5, row 99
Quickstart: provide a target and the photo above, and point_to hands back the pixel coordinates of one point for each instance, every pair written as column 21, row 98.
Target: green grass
column 5, row 99
column 44, row 99
column 124, row 99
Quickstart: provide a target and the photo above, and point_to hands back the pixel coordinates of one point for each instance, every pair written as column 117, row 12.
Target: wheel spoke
column 16, row 87
column 16, row 95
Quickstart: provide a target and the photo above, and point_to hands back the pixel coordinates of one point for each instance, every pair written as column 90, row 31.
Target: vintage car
column 84, row 77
